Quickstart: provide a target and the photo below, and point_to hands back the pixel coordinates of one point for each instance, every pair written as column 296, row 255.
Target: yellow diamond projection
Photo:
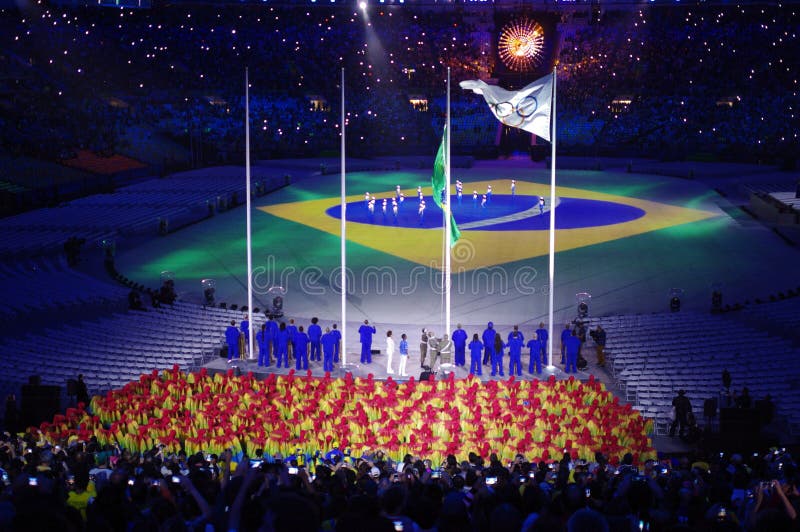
column 483, row 248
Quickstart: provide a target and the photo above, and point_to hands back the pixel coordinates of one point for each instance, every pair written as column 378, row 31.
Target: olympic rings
column 515, row 115
column 527, row 106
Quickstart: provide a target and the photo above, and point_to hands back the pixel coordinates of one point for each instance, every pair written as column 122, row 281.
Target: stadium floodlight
column 675, row 299
column 582, row 299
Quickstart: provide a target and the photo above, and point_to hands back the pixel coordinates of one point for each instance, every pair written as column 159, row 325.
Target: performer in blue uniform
column 488, row 343
column 489, row 194
column 282, row 346
column 244, row 326
column 291, row 329
column 459, row 190
column 573, row 346
column 300, row 349
column 459, row 338
column 513, row 189
column 232, row 339
column 497, row 359
column 338, row 335
column 566, row 333
column 474, row 198
column 262, row 338
column 535, row 345
column 365, row 332
column 541, row 205
column 475, row 350
column 272, row 329
column 315, row 337
column 541, row 335
column 328, row 341
column 515, row 342
column 421, row 211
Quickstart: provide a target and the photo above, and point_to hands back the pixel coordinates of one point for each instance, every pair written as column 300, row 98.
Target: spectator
column 11, row 417
column 81, row 391
column 81, row 491
column 744, row 400
column 682, row 408
column 156, row 488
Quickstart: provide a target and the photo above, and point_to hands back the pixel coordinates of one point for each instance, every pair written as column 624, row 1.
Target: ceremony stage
column 625, row 238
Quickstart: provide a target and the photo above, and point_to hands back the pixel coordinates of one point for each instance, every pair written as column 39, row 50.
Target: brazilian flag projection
column 495, row 235
column 438, row 184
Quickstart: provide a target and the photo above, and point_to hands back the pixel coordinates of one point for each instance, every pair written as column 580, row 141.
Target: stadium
column 603, row 336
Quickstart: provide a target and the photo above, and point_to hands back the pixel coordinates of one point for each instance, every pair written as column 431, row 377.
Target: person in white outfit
column 389, row 352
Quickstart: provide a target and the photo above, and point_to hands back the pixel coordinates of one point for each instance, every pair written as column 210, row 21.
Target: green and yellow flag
column 438, row 183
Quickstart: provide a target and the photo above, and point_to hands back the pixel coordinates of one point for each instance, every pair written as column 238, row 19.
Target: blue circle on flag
column 503, row 212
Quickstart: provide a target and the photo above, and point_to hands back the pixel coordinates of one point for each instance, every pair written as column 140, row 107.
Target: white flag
column 528, row 108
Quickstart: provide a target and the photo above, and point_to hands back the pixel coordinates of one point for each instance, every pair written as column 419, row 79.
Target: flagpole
column 249, row 227
column 343, row 237
column 447, row 214
column 552, row 262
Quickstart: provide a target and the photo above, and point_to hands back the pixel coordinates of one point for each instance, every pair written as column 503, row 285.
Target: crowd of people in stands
column 86, row 486
column 691, row 79
column 695, row 79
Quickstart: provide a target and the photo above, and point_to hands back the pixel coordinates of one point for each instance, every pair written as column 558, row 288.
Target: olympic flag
column 532, row 109
column 528, row 108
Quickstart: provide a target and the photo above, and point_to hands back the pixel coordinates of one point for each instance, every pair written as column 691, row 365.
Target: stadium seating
column 653, row 356
column 36, row 286
column 135, row 210
column 782, row 315
column 116, row 349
